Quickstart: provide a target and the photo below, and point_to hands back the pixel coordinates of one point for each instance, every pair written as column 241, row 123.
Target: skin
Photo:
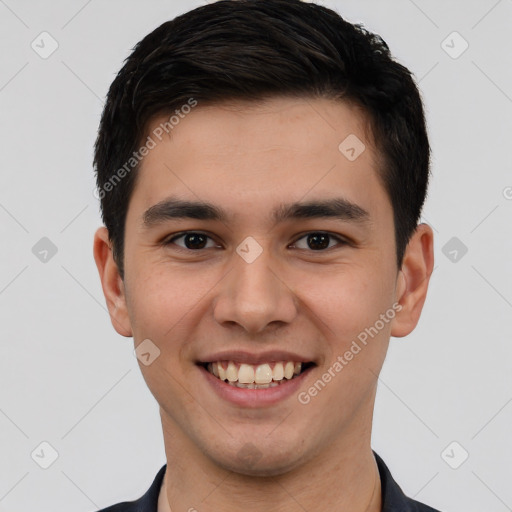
column 248, row 159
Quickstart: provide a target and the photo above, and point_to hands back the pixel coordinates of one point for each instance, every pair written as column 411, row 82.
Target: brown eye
column 319, row 240
column 192, row 240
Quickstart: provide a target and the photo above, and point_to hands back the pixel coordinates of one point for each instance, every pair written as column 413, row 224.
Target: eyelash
column 169, row 241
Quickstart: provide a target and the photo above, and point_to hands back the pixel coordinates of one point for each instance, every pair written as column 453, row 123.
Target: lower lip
column 254, row 398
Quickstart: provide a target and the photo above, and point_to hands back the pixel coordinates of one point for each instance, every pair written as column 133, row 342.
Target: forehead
column 246, row 156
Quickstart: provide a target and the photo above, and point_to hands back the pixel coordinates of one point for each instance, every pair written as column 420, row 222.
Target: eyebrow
column 175, row 208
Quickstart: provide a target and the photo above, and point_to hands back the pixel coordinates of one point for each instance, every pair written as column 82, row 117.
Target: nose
column 255, row 295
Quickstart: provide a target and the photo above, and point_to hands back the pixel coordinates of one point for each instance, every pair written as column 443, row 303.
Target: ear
column 413, row 279
column 111, row 282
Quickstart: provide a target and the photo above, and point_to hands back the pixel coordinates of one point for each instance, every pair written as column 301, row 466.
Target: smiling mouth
column 261, row 376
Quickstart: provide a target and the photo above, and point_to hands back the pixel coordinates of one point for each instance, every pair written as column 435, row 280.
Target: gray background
column 67, row 378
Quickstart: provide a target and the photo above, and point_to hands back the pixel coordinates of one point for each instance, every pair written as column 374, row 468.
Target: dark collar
column 393, row 498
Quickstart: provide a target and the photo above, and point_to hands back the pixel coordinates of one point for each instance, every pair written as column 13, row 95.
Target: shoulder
column 125, row 506
column 393, row 498
column 416, row 506
column 146, row 503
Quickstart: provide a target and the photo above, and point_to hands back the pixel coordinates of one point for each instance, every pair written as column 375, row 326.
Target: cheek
column 347, row 300
column 164, row 301
column 156, row 303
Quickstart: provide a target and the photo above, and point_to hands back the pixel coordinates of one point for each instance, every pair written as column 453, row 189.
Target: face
column 257, row 278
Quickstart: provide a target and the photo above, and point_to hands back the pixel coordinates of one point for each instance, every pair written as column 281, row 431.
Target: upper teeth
column 258, row 374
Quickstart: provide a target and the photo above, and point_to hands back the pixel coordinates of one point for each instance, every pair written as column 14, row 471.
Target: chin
column 251, row 461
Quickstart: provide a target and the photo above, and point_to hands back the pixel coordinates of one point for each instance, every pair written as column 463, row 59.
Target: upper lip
column 241, row 356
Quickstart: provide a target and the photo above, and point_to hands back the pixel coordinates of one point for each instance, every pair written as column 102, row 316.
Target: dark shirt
column 393, row 498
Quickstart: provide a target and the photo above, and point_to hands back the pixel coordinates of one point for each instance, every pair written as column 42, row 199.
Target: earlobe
column 413, row 280
column 111, row 282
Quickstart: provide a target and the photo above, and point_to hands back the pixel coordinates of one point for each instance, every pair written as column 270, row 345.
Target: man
column 262, row 165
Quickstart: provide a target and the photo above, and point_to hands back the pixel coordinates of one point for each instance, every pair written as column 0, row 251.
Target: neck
column 346, row 477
